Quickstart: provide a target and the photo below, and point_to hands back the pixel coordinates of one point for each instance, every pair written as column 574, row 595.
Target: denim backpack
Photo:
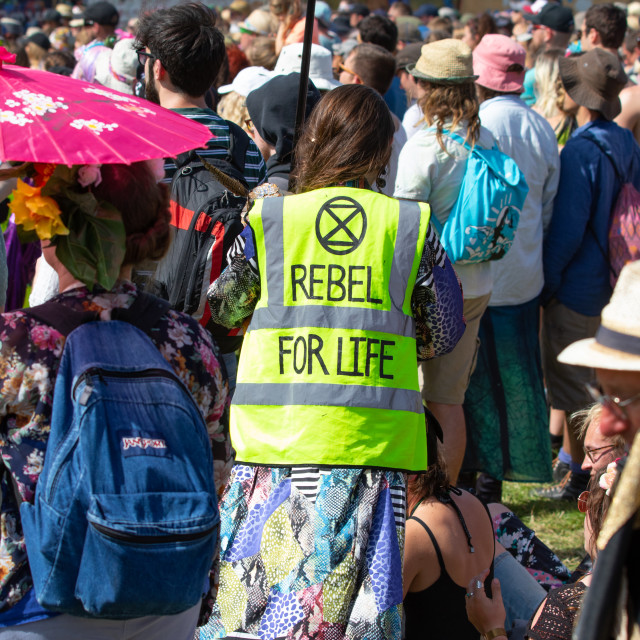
column 484, row 219
column 125, row 518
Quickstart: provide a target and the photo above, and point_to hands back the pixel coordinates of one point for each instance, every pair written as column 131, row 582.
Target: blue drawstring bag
column 484, row 219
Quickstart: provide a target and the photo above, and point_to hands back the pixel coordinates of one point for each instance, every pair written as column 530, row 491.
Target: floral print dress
column 30, row 355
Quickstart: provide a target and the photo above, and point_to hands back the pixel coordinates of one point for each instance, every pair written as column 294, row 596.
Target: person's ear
column 593, row 37
column 158, row 70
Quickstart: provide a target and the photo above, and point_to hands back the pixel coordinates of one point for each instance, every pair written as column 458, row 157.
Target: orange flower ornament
column 33, row 211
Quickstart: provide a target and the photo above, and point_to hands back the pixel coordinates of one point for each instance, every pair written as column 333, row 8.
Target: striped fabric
column 306, row 481
column 254, row 168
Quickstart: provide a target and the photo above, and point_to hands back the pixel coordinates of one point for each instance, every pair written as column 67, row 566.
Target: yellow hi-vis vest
column 327, row 374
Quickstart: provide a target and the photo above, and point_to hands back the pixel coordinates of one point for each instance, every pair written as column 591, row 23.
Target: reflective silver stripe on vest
column 277, row 316
column 404, row 251
column 330, row 395
column 273, row 226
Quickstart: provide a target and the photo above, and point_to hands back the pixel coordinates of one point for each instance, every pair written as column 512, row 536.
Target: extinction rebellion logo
column 341, row 225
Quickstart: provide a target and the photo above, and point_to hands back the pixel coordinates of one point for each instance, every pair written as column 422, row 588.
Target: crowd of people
column 364, row 386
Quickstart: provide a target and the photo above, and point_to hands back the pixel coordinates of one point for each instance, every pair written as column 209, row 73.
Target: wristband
column 494, row 633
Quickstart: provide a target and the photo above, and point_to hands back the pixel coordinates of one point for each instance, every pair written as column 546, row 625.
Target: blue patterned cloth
column 317, row 555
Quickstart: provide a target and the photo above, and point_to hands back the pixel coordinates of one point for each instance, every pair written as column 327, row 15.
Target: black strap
column 145, row 311
column 433, row 542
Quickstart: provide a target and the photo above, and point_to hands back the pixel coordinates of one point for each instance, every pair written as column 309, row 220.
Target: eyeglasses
column 589, row 452
column 143, row 56
column 582, row 501
column 249, row 124
column 343, row 68
column 612, row 403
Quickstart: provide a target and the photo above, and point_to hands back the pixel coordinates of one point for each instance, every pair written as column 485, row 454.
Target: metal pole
column 304, row 74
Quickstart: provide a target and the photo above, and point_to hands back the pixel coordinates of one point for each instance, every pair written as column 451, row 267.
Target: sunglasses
column 143, row 56
column 249, row 124
column 614, row 404
column 582, row 501
column 589, row 452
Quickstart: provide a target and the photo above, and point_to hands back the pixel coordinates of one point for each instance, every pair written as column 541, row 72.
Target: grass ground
column 558, row 524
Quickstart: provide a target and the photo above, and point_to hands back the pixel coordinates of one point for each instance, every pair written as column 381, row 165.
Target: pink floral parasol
column 49, row 118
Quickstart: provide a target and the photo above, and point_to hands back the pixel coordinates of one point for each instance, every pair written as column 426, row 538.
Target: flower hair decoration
column 609, row 476
column 56, row 203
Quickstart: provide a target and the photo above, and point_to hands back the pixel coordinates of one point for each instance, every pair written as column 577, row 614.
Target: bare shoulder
column 629, row 117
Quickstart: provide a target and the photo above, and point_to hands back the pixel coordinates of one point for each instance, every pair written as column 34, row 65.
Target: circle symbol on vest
column 341, row 225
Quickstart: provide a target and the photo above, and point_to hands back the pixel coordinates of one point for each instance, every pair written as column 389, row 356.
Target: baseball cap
column 409, row 29
column 103, row 13
column 425, row 10
column 51, row 15
column 555, row 17
column 409, row 55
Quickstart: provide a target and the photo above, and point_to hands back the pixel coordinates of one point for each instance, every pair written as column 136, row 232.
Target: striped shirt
column 217, row 147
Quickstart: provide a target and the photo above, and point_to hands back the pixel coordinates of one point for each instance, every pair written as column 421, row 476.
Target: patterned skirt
column 310, row 553
column 505, row 405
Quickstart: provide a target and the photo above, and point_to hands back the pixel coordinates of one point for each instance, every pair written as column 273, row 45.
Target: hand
column 484, row 613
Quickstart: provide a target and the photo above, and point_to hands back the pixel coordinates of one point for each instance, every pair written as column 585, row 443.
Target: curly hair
column 347, row 137
column 456, row 101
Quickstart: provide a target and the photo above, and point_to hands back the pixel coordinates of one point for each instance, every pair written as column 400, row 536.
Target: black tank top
column 439, row 611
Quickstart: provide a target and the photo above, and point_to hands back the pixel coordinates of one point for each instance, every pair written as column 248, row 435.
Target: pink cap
column 492, row 60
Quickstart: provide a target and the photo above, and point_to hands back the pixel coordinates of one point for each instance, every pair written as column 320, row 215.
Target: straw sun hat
column 444, row 62
column 617, row 342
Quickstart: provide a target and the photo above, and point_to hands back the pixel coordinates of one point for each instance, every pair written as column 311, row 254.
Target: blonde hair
column 547, row 72
column 583, row 418
column 233, row 106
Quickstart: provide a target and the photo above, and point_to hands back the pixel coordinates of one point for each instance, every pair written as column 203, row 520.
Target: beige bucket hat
column 446, row 61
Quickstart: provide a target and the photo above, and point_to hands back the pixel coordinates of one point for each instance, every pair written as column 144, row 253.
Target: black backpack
column 206, row 219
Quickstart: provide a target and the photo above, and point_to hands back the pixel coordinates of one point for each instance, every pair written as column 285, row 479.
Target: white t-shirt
column 430, row 174
column 413, row 120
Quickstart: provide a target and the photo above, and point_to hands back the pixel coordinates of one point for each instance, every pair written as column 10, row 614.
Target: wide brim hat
column 246, row 81
column 116, row 68
column 446, row 61
column 594, row 80
column 320, row 65
column 493, row 58
column 258, row 22
column 616, row 345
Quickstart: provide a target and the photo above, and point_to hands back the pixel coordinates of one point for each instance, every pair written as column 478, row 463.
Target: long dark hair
column 347, row 137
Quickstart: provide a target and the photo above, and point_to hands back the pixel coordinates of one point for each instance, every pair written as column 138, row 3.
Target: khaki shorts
column 565, row 382
column 445, row 379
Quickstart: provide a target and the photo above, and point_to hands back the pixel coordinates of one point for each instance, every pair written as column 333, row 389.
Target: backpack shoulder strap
column 145, row 311
column 62, row 318
column 608, row 155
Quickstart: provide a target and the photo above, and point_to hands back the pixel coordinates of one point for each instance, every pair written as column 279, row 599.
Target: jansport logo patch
column 136, row 443
column 143, row 443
